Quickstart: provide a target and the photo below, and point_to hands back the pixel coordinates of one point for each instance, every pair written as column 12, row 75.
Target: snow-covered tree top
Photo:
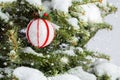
column 61, row 5
column 92, row 13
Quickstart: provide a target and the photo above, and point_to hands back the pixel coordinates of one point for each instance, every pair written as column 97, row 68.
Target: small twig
column 13, row 39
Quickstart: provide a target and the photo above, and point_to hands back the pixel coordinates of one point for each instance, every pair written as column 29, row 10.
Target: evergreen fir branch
column 84, row 2
column 104, row 77
column 108, row 9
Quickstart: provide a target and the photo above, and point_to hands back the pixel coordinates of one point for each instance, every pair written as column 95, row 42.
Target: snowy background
column 109, row 41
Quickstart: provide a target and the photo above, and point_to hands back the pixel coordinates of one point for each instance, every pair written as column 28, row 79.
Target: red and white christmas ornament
column 40, row 33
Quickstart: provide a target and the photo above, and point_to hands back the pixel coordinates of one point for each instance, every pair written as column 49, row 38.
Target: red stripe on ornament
column 27, row 33
column 48, row 33
column 38, row 33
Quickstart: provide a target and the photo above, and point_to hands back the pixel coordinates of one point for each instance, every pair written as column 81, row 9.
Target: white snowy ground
column 109, row 41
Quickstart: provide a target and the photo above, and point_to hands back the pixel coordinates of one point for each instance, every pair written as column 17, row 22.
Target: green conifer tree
column 51, row 62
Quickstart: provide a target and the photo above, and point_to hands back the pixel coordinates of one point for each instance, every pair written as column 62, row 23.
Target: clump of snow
column 69, row 50
column 23, row 30
column 79, row 49
column 64, row 77
column 11, row 23
column 99, row 61
column 7, row 0
column 26, row 73
column 64, row 46
column 31, row 51
column 74, row 23
column 66, row 49
column 107, row 68
column 79, row 72
column 1, row 76
column 35, row 2
column 7, row 71
column 64, row 60
column 4, row 16
column 61, row 5
column 91, row 14
column 47, row 5
column 74, row 40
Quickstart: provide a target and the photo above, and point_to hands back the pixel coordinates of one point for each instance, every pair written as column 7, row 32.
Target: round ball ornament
column 40, row 32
